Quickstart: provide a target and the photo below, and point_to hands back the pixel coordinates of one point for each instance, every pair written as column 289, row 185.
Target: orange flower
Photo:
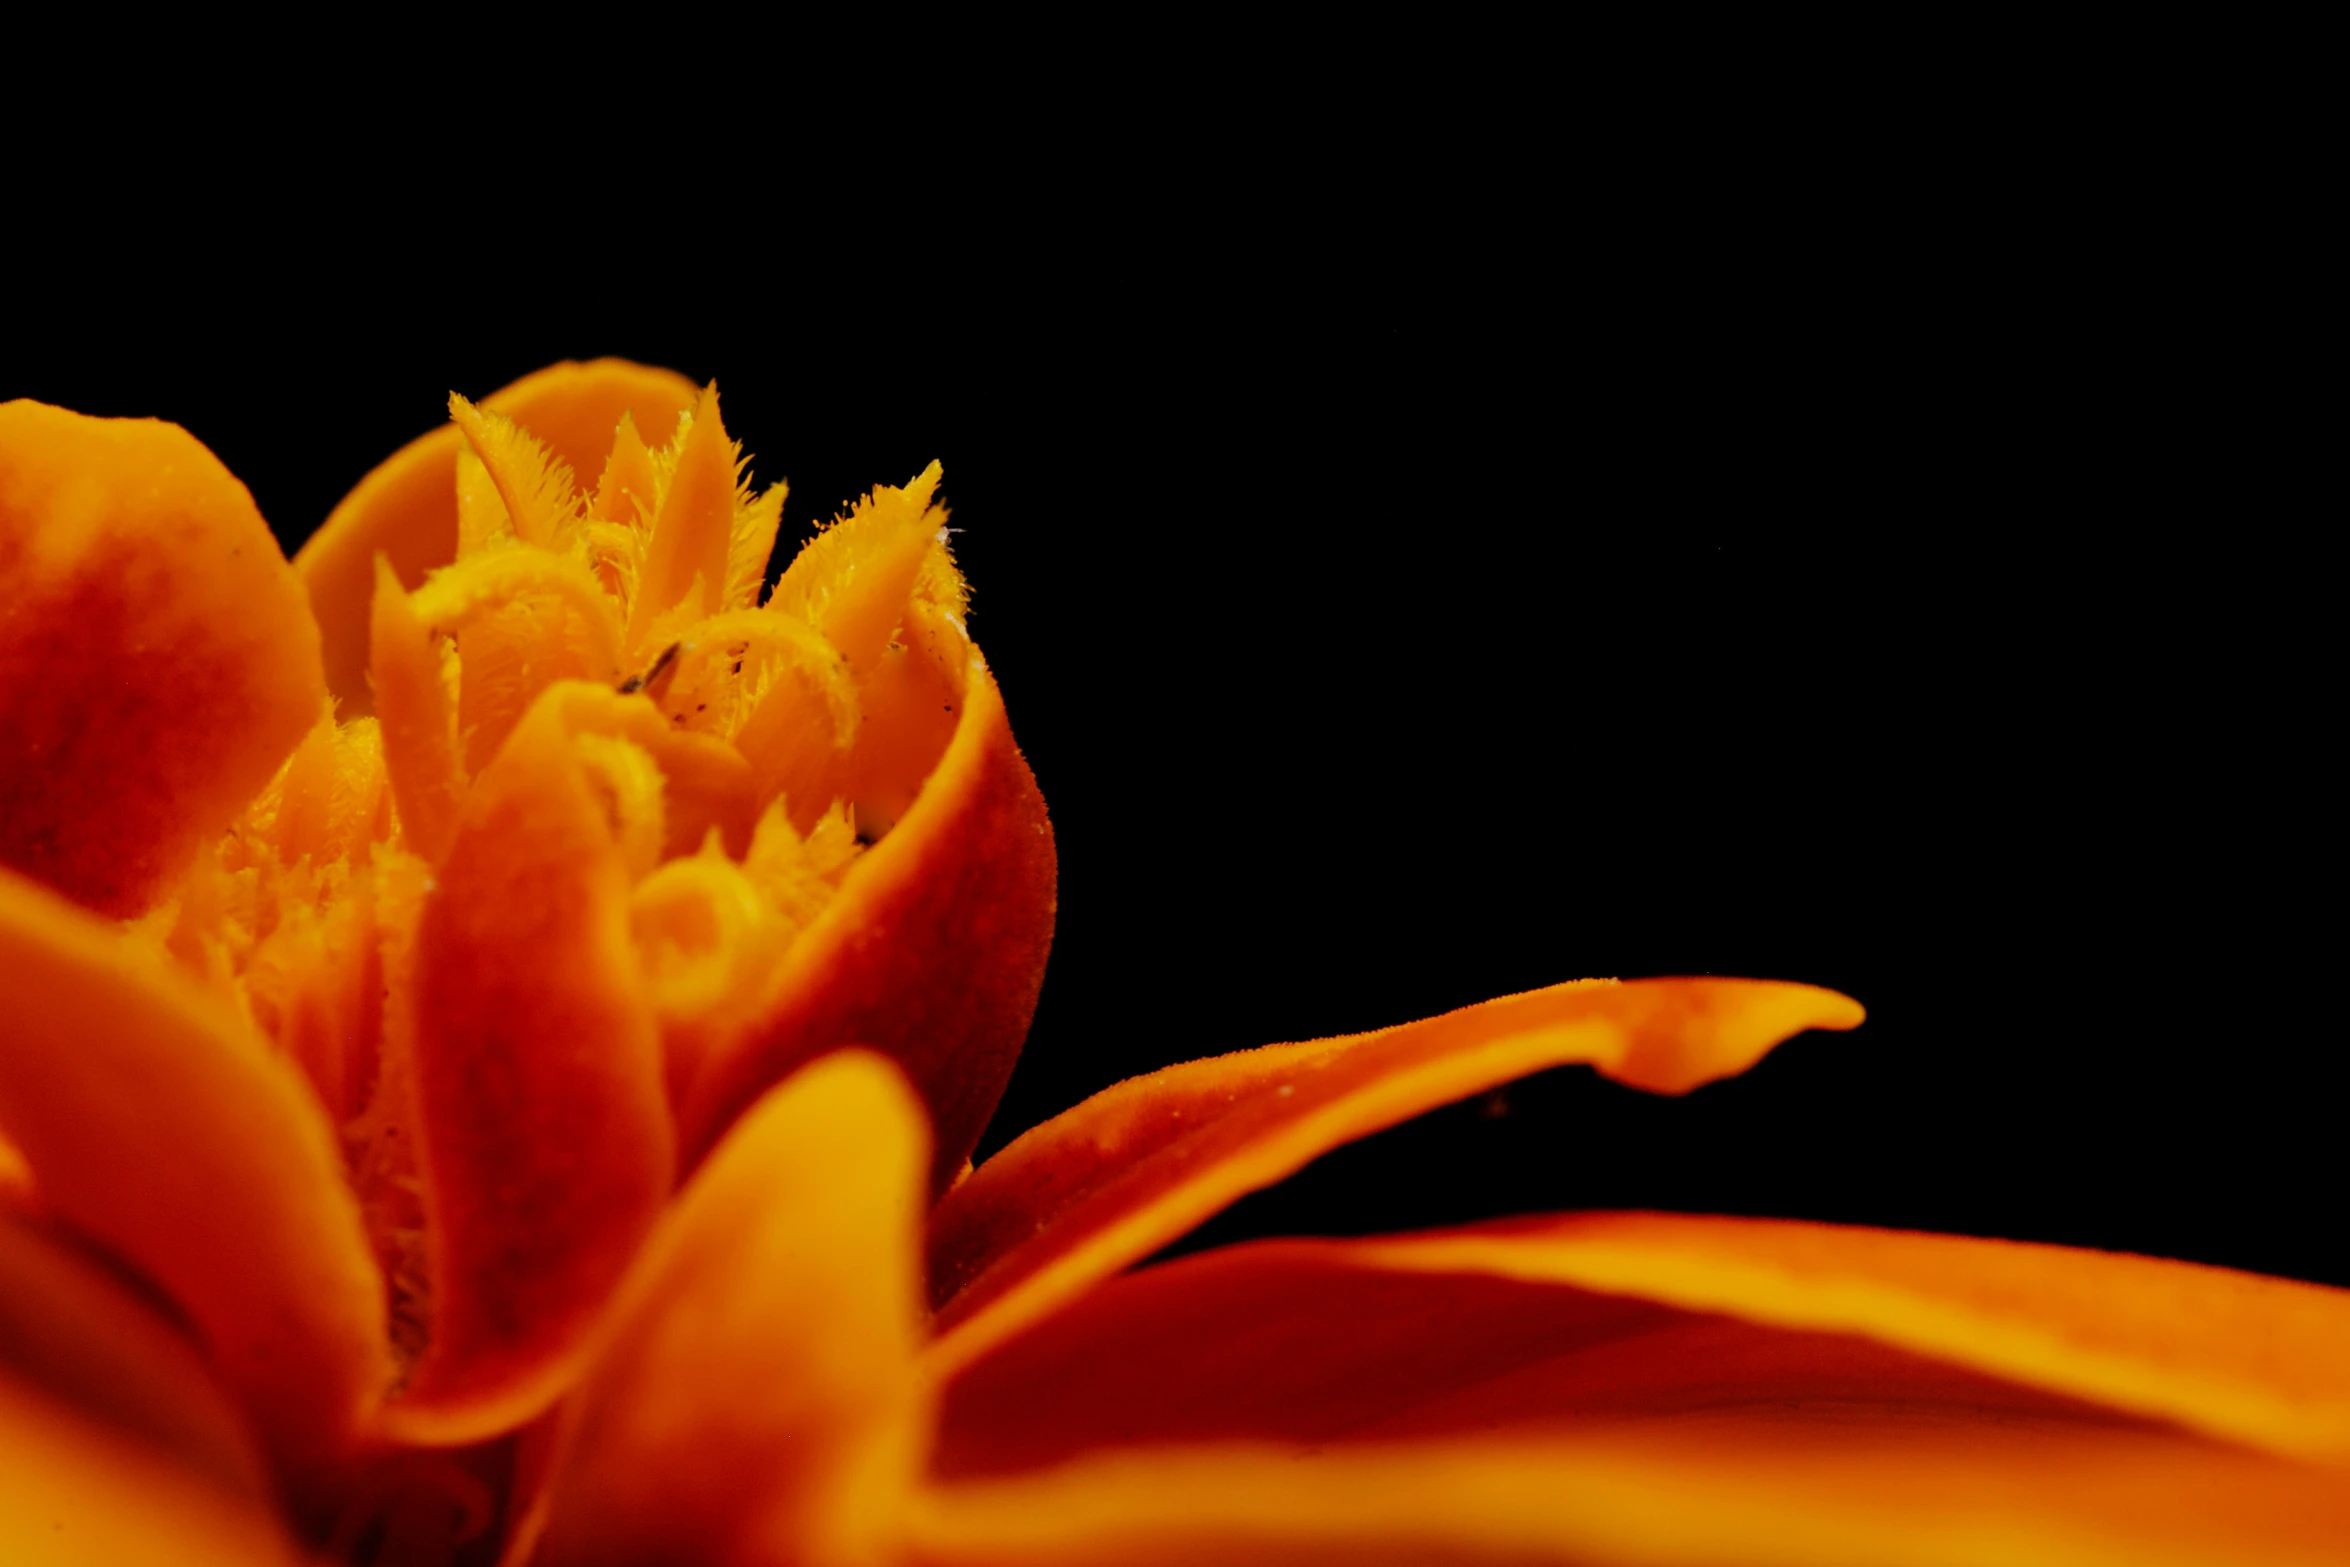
column 516, row 1112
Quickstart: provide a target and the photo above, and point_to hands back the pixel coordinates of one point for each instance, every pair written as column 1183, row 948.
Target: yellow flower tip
column 686, row 555
column 533, row 486
column 407, row 508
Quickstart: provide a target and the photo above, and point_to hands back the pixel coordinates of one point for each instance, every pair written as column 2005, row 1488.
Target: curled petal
column 1139, row 1164
column 157, row 661
column 406, row 508
column 1665, row 1500
column 932, row 953
column 80, row 1495
column 218, row 1177
column 753, row 1397
column 705, row 782
column 546, row 1148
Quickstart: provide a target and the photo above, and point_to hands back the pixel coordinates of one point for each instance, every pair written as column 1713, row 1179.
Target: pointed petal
column 71, row 1330
column 852, row 580
column 630, row 484
column 932, row 953
column 691, row 536
column 157, row 661
column 1138, row 1165
column 546, row 1148
column 2260, row 1361
column 406, row 508
column 536, row 487
column 1688, row 1502
column 756, row 521
column 157, row 1124
column 78, row 1495
column 419, row 723
column 753, row 1397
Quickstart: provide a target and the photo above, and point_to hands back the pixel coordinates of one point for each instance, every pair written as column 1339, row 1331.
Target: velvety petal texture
column 547, row 1146
column 753, row 1397
column 1652, row 1502
column 79, row 1495
column 1138, row 1165
column 157, row 660
column 76, row 1333
column 159, row 1125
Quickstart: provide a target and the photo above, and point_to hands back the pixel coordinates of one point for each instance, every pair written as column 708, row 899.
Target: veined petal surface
column 1111, row 1181
column 157, row 660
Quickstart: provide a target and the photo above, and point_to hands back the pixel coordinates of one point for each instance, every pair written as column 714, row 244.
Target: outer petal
column 1661, row 1502
column 160, row 1126
column 753, row 1397
column 932, row 953
column 74, row 1332
column 2260, row 1361
column 156, row 658
column 78, row 1495
column 407, row 507
column 1467, row 1397
column 1137, row 1165
column 547, row 1150
column 1317, row 1342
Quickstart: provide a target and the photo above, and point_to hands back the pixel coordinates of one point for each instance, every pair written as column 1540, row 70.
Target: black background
column 1417, row 581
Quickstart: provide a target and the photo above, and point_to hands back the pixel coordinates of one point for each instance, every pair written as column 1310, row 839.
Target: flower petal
column 753, row 1396
column 157, row 661
column 74, row 1332
column 1138, row 1165
column 218, row 1177
column 1321, row 1342
column 2260, row 1361
column 932, row 953
column 2103, row 1501
column 407, row 507
column 546, row 1143
column 78, row 1495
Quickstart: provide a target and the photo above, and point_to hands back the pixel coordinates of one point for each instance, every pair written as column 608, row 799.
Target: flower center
column 743, row 754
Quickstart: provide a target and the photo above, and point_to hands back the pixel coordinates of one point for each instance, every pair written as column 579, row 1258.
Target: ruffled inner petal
column 406, row 509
